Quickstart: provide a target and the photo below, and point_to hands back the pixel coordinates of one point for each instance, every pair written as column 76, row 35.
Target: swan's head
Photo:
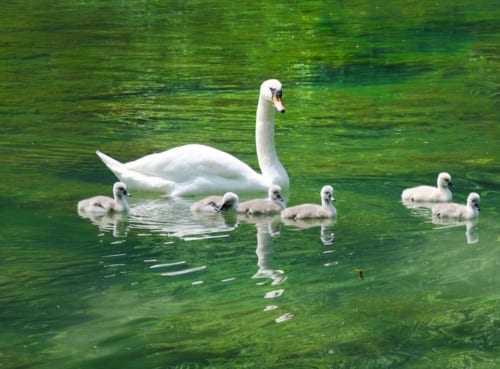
column 275, row 193
column 473, row 200
column 327, row 193
column 444, row 180
column 270, row 90
column 120, row 189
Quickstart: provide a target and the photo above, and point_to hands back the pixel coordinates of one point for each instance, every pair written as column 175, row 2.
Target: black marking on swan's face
column 276, row 98
column 276, row 93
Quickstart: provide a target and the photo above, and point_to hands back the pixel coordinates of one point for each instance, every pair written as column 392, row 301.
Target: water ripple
column 184, row 271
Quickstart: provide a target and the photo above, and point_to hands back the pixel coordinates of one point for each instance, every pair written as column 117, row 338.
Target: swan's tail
column 111, row 163
column 136, row 178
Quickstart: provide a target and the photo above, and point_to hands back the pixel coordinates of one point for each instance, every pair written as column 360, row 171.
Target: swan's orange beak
column 278, row 103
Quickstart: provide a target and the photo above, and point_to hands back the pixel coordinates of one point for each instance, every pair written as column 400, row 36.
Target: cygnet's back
column 459, row 211
column 273, row 204
column 441, row 193
column 106, row 204
column 313, row 211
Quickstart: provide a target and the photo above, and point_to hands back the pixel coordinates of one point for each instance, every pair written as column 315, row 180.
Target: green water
column 379, row 95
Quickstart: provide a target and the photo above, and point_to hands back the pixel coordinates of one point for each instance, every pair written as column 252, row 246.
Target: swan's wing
column 184, row 162
column 194, row 166
column 188, row 170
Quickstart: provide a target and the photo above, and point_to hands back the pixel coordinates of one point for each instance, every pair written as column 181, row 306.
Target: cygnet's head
column 120, row 189
column 270, row 90
column 473, row 200
column 327, row 193
column 444, row 180
column 275, row 193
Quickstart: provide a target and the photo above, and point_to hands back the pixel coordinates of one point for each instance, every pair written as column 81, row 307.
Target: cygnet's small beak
column 126, row 193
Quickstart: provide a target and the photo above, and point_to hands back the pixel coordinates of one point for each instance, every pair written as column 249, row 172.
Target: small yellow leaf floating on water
column 360, row 273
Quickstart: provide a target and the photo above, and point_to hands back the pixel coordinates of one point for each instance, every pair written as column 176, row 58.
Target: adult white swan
column 197, row 169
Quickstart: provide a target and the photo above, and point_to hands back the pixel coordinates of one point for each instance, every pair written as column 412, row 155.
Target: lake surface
column 380, row 96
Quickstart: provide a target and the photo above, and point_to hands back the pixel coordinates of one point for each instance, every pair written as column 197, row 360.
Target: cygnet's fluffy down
column 313, row 211
column 106, row 204
column 459, row 211
column 213, row 204
column 273, row 204
column 441, row 193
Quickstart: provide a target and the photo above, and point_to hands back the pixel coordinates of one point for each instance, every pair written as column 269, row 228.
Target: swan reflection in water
column 268, row 227
column 424, row 209
column 171, row 217
column 325, row 224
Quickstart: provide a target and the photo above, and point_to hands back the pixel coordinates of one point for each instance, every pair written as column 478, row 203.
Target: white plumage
column 199, row 169
column 313, row 211
column 273, row 204
column 459, row 211
column 106, row 204
column 441, row 193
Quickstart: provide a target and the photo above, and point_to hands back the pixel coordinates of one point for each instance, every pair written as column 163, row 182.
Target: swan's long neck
column 121, row 202
column 269, row 163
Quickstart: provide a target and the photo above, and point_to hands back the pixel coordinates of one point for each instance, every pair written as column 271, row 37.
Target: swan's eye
column 275, row 92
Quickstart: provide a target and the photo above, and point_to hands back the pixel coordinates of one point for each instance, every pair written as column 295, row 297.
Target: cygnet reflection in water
column 173, row 217
column 471, row 229
column 325, row 225
column 108, row 222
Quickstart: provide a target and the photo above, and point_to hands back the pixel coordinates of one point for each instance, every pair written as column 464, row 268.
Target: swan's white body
column 106, row 204
column 313, row 211
column 198, row 169
column 441, row 193
column 459, row 211
column 273, row 204
column 215, row 204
